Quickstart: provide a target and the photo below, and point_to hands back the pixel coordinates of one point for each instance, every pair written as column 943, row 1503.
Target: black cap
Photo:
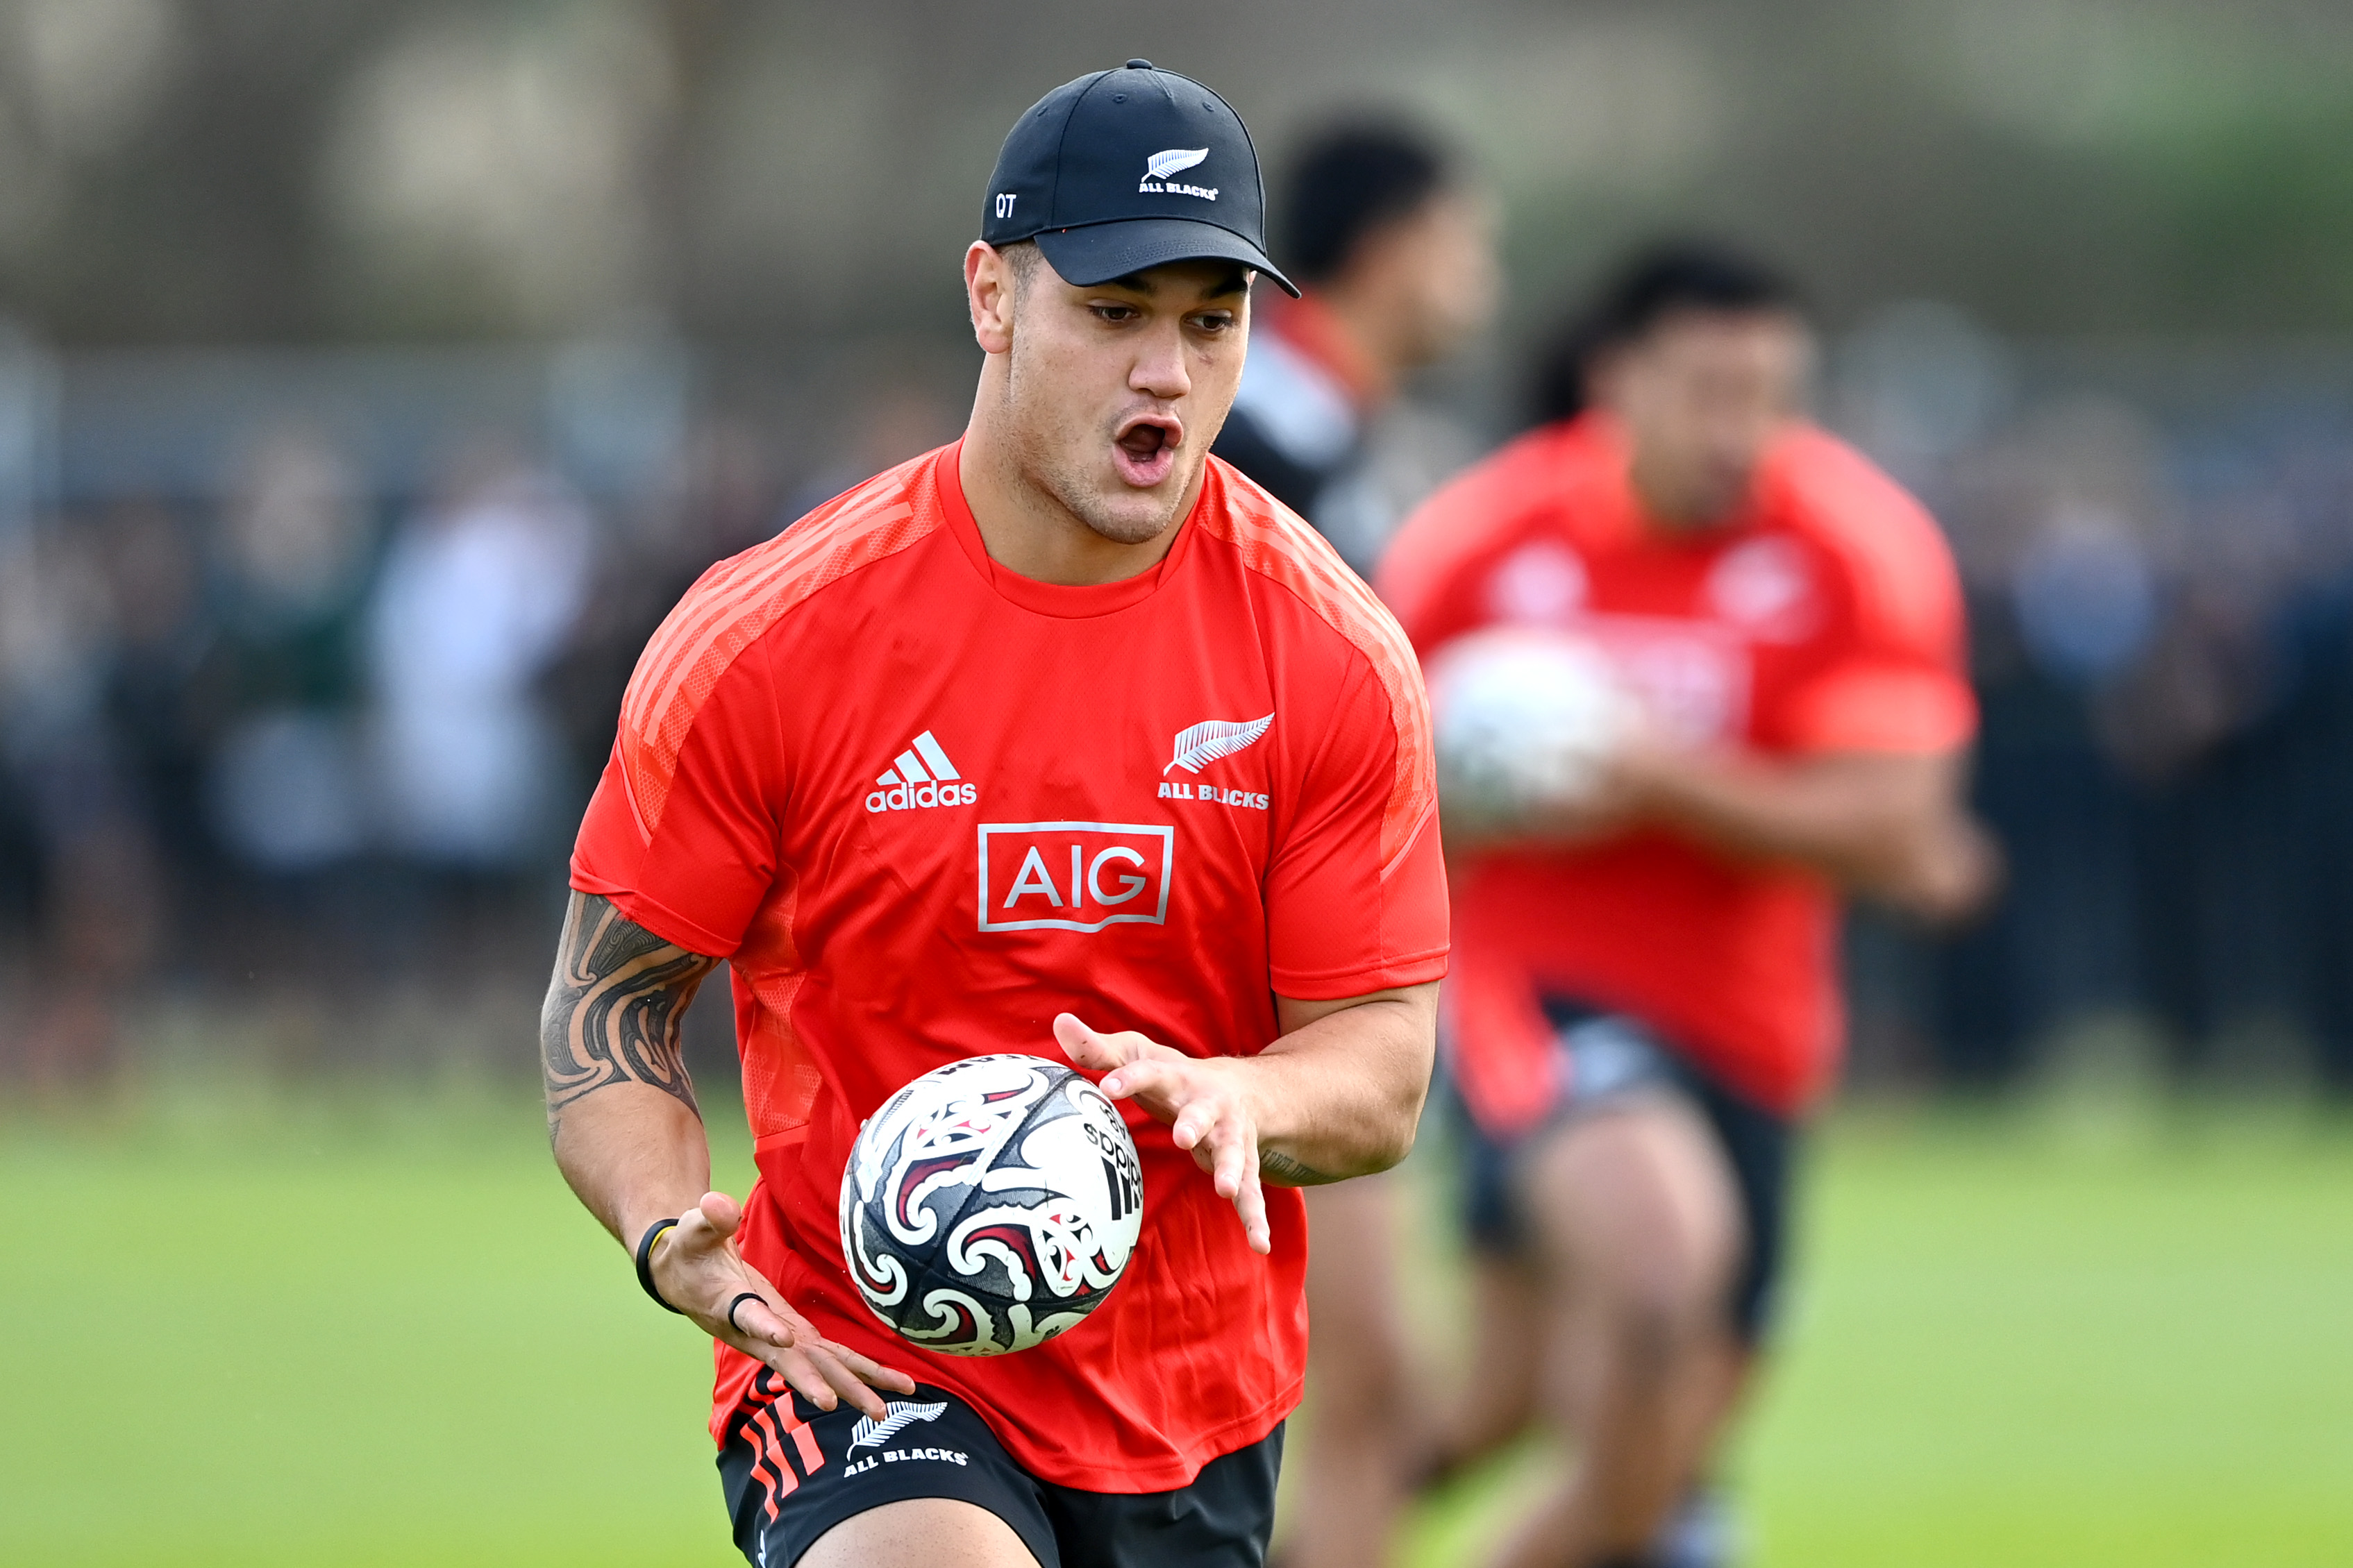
column 1128, row 169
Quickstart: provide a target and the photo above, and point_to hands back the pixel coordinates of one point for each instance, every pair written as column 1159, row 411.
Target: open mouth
column 1145, row 450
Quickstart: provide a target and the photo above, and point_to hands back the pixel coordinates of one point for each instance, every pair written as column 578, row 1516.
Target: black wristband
column 646, row 1262
column 742, row 1297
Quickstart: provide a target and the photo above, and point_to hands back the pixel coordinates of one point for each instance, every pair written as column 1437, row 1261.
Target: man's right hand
column 698, row 1269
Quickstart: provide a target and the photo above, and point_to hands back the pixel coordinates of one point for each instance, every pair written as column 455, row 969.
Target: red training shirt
column 1824, row 617
column 922, row 805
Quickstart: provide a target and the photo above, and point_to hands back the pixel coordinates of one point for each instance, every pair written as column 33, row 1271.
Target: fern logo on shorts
column 898, row 1415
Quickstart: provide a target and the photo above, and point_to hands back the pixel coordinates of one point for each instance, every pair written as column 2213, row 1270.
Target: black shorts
column 792, row 1472
column 1613, row 1057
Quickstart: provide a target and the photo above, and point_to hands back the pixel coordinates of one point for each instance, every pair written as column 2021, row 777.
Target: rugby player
column 1645, row 998
column 1064, row 737
column 1393, row 250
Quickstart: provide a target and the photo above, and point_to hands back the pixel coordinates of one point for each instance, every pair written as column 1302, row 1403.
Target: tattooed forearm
column 1285, row 1172
column 614, row 1008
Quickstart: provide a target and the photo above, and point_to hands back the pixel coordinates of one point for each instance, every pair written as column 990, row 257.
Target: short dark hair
column 1022, row 258
column 1351, row 177
column 1663, row 279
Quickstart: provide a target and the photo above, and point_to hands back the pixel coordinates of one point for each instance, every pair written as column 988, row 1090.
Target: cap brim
column 1098, row 252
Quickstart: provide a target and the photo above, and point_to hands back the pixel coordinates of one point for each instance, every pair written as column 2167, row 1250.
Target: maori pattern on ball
column 991, row 1205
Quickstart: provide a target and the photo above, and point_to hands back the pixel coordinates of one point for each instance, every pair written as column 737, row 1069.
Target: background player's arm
column 1338, row 1095
column 628, row 1137
column 1890, row 825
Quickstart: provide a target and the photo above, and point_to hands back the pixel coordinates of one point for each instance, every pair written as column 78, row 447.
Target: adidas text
column 913, row 797
column 919, row 777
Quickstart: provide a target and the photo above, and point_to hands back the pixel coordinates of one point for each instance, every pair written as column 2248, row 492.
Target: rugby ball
column 1523, row 717
column 991, row 1205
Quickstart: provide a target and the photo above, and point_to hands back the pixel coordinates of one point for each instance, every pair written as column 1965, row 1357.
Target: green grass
column 337, row 1329
column 2022, row 1347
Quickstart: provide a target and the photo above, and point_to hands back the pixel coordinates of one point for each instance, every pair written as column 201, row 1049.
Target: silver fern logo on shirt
column 1198, row 745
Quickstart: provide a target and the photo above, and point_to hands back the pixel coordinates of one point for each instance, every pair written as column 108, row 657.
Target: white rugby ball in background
column 1524, row 718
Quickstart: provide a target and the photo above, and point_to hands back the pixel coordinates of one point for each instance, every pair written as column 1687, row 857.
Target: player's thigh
column 929, row 1482
column 1508, row 1340
column 1356, row 1342
column 1634, row 1213
column 919, row 1532
column 1507, row 1313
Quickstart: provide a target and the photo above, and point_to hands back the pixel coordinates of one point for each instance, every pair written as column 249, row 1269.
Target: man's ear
column 989, row 286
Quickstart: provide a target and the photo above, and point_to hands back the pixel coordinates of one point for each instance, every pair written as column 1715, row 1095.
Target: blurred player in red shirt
column 1063, row 738
column 1644, row 997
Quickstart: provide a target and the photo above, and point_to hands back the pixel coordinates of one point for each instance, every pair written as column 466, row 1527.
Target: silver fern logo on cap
column 1175, row 161
column 1200, row 744
column 897, row 1416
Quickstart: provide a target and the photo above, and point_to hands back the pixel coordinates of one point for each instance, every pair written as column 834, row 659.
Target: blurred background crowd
column 373, row 377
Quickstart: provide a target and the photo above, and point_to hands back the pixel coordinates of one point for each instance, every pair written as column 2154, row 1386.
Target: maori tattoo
column 1283, row 1169
column 613, row 1011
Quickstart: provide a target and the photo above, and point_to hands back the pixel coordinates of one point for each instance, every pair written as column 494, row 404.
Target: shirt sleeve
column 1895, row 677
column 1355, row 899
column 1420, row 574
column 681, row 834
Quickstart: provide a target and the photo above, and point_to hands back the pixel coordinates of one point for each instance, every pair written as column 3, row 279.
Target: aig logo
column 1075, row 876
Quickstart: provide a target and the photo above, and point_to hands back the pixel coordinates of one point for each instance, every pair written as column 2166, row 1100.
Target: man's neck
column 1661, row 509
column 1668, row 513
column 1030, row 533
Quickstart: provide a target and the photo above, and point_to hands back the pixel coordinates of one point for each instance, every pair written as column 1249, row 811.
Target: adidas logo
column 921, row 776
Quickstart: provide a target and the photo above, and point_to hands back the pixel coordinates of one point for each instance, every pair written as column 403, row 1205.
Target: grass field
column 337, row 1328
